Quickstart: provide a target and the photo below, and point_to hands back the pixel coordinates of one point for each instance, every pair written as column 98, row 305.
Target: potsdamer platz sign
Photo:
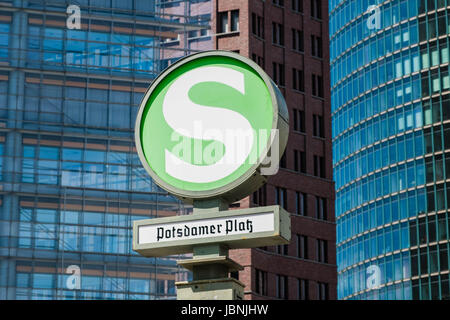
column 210, row 129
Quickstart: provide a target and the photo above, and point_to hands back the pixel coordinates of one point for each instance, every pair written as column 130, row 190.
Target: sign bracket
column 210, row 265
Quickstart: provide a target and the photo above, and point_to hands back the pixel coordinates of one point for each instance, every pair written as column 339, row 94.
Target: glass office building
column 391, row 139
column 70, row 180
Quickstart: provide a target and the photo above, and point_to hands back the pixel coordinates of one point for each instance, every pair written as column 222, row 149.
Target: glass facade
column 71, row 182
column 390, row 90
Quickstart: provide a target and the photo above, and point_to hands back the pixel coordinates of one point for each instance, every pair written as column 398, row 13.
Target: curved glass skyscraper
column 391, row 147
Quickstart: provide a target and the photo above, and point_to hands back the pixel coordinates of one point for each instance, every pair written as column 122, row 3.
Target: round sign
column 209, row 126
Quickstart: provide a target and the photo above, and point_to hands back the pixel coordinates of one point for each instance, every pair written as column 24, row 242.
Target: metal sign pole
column 210, row 266
column 254, row 129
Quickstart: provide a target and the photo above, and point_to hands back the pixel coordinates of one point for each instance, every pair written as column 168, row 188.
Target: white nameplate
column 206, row 228
column 239, row 228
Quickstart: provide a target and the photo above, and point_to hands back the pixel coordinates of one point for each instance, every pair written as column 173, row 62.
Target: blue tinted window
column 73, row 34
column 121, row 38
column 99, row 36
column 91, row 283
column 94, row 156
column 53, row 39
column 96, row 114
column 92, row 239
column 41, row 280
column 23, row 280
column 93, row 218
column 117, row 157
column 72, row 154
column 139, row 285
column 76, row 40
column 4, row 36
column 28, row 151
column 72, row 166
column 46, row 215
column 75, row 93
column 119, row 116
column 26, row 214
column 70, row 217
column 49, row 153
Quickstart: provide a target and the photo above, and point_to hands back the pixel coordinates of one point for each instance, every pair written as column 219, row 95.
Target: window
column 316, row 9
column 42, row 280
column 303, row 292
column 281, row 197
column 223, row 22
column 1, row 159
column 297, row 5
column 299, row 120
column 296, row 160
column 263, row 195
column 278, row 73
column 257, row 25
column 317, row 85
column 318, row 126
column 277, row 34
column 261, row 282
column 224, row 26
column 193, row 34
column 283, row 161
column 302, row 247
column 301, row 200
column 283, row 249
column 282, row 287
column 255, row 197
column 297, row 40
column 259, row 60
column 278, row 2
column 298, row 82
column 204, row 32
column 321, row 208
column 316, row 46
column 300, row 161
column 259, row 196
column 321, row 251
column 319, row 166
column 322, row 291
column 234, row 20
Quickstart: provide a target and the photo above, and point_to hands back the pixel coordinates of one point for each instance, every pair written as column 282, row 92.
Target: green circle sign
column 207, row 124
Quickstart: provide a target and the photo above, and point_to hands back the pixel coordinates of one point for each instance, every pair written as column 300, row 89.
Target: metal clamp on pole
column 210, row 266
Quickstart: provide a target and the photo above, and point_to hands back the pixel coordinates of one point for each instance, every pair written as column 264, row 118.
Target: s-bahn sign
column 210, row 129
column 212, row 125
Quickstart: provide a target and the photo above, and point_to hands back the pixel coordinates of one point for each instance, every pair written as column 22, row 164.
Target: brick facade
column 248, row 44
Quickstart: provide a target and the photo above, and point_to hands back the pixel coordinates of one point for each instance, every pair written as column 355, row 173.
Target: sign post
column 210, row 129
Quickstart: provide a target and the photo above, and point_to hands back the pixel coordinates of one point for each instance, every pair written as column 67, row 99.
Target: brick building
column 289, row 40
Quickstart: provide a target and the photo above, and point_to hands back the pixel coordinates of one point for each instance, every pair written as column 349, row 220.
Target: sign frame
column 281, row 233
column 252, row 179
